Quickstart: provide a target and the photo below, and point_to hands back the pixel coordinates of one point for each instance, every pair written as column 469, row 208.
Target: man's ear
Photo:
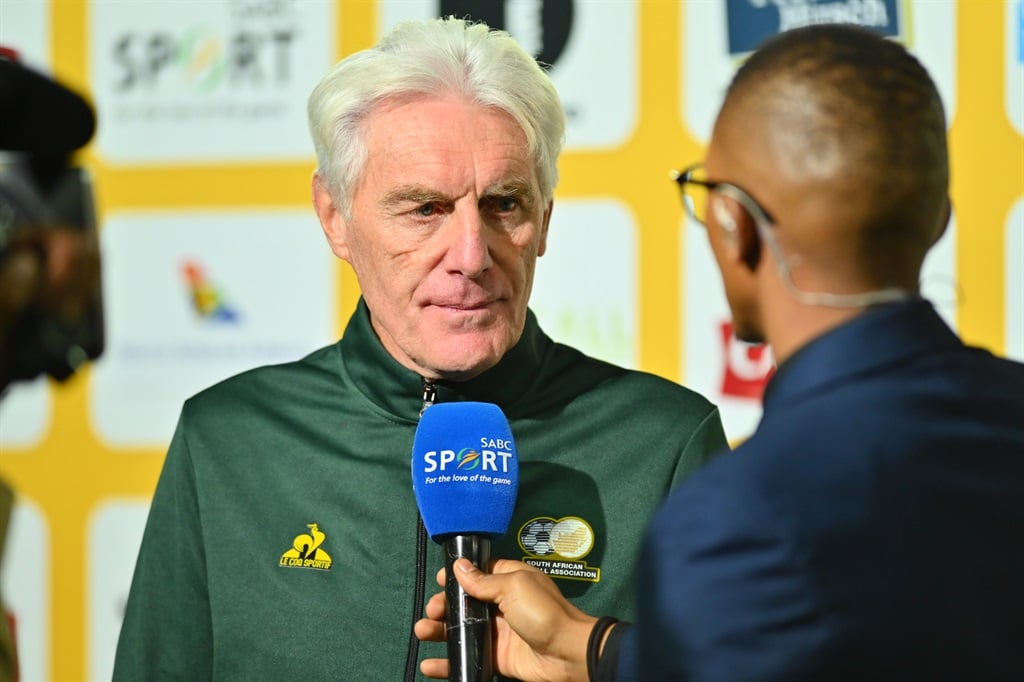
column 331, row 218
column 748, row 241
column 544, row 229
column 742, row 242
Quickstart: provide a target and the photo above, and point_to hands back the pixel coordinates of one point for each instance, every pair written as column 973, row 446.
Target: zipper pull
column 429, row 395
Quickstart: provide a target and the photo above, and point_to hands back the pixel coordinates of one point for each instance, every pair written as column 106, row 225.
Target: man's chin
column 451, row 372
column 747, row 333
column 466, row 359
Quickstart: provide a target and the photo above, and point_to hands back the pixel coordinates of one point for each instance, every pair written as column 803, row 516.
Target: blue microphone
column 465, row 476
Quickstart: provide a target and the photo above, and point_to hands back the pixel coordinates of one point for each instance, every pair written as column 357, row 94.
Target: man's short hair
column 876, row 112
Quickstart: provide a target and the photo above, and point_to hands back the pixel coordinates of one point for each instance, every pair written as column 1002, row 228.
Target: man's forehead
column 434, row 147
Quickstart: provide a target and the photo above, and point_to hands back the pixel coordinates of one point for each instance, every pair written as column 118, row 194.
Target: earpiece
column 722, row 215
column 746, row 242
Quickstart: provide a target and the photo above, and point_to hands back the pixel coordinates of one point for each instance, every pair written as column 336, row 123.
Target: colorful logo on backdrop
column 307, row 551
column 747, row 367
column 750, row 22
column 207, row 300
column 558, row 547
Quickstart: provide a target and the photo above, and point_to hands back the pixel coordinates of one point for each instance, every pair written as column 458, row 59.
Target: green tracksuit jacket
column 282, row 538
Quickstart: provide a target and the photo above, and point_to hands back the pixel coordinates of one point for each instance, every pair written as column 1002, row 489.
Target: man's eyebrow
column 519, row 186
column 516, row 185
column 415, row 194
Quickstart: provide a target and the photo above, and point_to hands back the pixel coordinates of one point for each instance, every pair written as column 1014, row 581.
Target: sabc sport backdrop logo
column 233, row 47
column 221, row 80
column 558, row 547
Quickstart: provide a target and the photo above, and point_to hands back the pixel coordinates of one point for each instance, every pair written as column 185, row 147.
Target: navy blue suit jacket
column 871, row 529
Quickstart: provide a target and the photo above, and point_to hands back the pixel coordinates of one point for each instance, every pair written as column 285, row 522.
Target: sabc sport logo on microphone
column 488, row 464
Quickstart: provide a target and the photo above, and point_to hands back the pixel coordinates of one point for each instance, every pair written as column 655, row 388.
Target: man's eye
column 505, row 204
column 427, row 210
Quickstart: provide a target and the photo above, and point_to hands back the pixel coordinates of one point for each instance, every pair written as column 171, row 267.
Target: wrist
column 567, row 657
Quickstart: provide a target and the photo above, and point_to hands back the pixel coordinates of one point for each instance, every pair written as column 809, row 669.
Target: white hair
column 434, row 58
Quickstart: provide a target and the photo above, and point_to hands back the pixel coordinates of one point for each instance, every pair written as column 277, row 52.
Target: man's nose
column 468, row 251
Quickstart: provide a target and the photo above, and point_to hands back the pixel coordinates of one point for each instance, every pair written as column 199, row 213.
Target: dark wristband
column 608, row 663
column 594, row 644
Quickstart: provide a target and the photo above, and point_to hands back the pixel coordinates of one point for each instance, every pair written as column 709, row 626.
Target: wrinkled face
column 447, row 223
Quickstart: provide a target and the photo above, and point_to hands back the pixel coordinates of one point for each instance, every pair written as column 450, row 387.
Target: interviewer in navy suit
column 872, row 528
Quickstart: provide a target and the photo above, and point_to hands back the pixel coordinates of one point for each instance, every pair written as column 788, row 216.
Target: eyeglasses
column 695, row 190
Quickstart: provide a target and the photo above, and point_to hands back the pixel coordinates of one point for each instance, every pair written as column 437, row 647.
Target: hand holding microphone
column 540, row 635
column 465, row 476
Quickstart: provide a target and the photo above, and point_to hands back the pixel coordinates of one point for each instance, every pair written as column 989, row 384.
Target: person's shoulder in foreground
column 872, row 515
column 874, row 512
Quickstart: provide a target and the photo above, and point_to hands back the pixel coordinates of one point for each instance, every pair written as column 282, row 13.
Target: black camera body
column 52, row 307
column 51, row 339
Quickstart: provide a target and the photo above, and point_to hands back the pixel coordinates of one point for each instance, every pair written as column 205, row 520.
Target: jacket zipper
column 412, row 658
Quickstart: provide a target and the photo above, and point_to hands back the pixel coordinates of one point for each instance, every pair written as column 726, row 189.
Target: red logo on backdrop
column 748, row 367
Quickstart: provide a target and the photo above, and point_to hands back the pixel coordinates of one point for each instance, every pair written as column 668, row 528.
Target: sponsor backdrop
column 214, row 261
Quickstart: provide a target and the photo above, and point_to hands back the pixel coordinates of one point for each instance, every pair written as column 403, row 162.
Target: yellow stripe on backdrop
column 988, row 170
column 357, row 30
column 70, row 472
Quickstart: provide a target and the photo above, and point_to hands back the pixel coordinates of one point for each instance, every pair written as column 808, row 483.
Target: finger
column 512, row 566
column 516, row 575
column 440, row 577
column 435, row 668
column 436, row 606
column 427, row 630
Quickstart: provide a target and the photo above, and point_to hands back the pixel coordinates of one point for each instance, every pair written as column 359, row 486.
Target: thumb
column 475, row 582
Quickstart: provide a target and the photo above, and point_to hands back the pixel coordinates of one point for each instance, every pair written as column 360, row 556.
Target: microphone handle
column 468, row 623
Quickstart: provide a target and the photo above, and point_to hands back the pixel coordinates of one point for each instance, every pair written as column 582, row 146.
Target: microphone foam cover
column 465, row 473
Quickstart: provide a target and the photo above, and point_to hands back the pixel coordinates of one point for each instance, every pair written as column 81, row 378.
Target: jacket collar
column 399, row 391
column 880, row 337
